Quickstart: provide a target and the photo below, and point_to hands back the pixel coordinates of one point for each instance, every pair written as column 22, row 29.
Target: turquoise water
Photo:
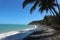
column 12, row 27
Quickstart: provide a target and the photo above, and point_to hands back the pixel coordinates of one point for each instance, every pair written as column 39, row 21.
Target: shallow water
column 13, row 27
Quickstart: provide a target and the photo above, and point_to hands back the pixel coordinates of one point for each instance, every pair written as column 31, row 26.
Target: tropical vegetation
column 51, row 6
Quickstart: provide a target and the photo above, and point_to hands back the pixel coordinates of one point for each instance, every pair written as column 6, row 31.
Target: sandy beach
column 46, row 33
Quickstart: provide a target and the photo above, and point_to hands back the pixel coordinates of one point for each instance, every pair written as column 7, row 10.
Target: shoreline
column 28, row 34
column 5, row 36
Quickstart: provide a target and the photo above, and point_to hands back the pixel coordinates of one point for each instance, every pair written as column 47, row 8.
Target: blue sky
column 12, row 12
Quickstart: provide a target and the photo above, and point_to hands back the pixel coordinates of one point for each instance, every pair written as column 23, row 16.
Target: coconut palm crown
column 47, row 5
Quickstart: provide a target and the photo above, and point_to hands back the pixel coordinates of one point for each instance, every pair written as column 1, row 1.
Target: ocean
column 13, row 27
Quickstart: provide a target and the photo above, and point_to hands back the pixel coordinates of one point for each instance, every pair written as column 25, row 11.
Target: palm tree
column 43, row 5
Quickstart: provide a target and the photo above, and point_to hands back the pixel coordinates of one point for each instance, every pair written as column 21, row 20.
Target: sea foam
column 3, row 35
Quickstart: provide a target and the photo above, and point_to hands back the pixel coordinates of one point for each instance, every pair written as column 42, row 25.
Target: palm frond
column 44, row 5
column 34, row 6
column 41, row 9
column 27, row 2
